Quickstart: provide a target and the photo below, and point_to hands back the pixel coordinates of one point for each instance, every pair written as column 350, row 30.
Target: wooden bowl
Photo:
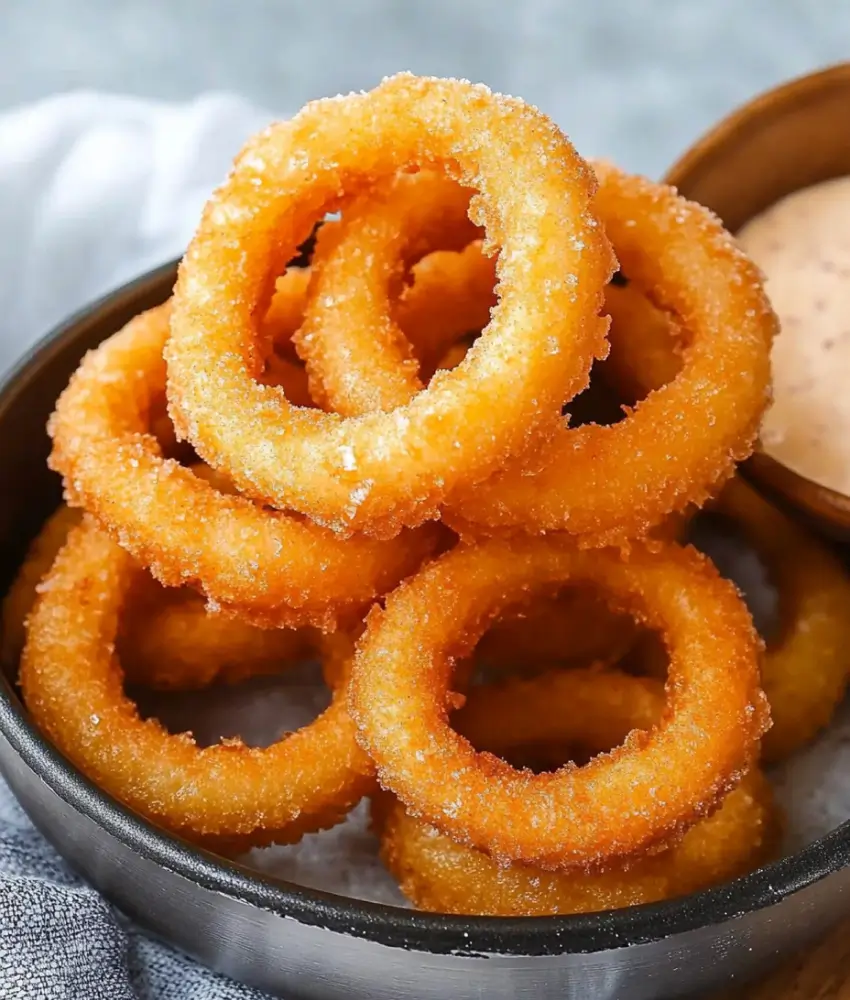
column 784, row 140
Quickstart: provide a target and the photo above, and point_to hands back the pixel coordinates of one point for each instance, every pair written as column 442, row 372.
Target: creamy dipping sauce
column 802, row 244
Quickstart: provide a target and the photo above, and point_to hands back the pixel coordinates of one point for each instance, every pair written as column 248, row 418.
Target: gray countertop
column 635, row 80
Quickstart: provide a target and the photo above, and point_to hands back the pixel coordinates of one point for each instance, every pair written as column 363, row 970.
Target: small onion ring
column 72, row 685
column 594, row 711
column 268, row 567
column 167, row 640
column 452, row 294
column 572, row 628
column 384, row 470
column 577, row 816
column 358, row 268
column 447, row 294
column 646, row 344
column 175, row 644
column 805, row 668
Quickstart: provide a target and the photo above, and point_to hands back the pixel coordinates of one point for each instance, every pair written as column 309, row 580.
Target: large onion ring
column 601, row 483
column 575, row 817
column 806, row 666
column 383, row 470
column 270, row 567
column 592, row 711
column 72, row 685
column 677, row 446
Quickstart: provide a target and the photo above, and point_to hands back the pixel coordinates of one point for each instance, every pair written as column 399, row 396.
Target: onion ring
column 452, row 294
column 646, row 344
column 594, row 711
column 582, row 708
column 268, row 567
column 572, row 628
column 167, row 639
column 606, row 484
column 380, row 471
column 574, row 817
column 805, row 668
column 21, row 596
column 446, row 294
column 175, row 644
column 72, row 685
column 381, row 235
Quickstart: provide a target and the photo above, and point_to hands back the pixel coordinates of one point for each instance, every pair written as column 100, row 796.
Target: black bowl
column 304, row 943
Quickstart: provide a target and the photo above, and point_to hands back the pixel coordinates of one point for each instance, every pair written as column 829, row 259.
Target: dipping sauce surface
column 802, row 244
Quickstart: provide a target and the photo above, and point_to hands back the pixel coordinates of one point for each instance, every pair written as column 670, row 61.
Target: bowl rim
column 385, row 924
column 790, row 94
column 787, row 97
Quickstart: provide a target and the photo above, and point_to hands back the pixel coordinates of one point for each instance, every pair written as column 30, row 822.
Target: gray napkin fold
column 60, row 940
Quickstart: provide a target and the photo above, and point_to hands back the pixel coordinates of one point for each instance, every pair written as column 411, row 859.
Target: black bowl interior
column 31, row 492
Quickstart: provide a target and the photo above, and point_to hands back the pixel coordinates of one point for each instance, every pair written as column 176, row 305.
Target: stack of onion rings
column 609, row 483
column 710, row 733
column 593, row 711
column 265, row 566
column 428, row 363
column 380, row 471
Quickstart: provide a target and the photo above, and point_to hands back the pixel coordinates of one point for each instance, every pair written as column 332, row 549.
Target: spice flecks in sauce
column 802, row 243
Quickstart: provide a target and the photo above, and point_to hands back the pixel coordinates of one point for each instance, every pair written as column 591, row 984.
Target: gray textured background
column 636, row 80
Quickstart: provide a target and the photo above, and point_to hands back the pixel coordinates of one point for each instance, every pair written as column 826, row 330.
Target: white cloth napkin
column 95, row 189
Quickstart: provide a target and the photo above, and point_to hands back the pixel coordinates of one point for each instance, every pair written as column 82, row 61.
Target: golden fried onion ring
column 268, row 567
column 606, row 484
column 646, row 344
column 594, row 711
column 384, row 470
column 382, row 234
column 71, row 681
column 577, row 816
column 806, row 666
